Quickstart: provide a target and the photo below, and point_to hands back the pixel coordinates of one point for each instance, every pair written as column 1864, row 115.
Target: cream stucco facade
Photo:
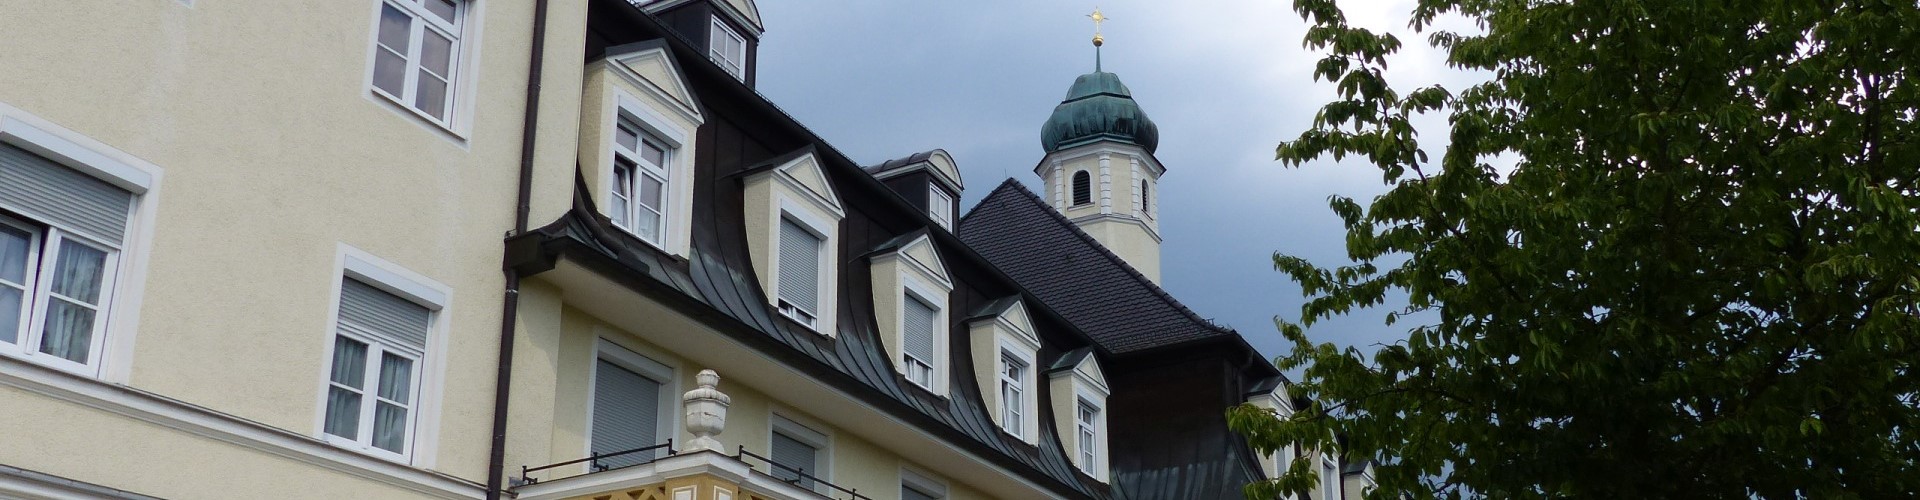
column 271, row 158
column 1122, row 208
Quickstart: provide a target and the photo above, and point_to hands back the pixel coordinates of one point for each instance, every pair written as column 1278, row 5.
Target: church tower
column 1099, row 170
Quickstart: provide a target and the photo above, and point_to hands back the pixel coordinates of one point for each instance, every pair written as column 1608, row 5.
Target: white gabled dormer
column 1005, row 353
column 911, row 297
column 1280, row 403
column 793, row 233
column 1080, row 394
column 637, row 122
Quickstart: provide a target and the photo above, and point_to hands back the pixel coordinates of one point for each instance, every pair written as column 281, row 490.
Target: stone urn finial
column 706, row 412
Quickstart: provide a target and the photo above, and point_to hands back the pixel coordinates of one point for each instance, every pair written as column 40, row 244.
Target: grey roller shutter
column 626, row 414
column 384, row 316
column 799, row 267
column 794, row 454
column 51, row 192
column 908, row 493
column 919, row 329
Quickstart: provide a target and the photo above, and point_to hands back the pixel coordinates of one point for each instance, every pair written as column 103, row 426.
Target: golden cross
column 1097, row 18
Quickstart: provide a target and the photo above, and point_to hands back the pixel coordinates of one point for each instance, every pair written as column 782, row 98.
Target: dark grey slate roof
column 899, row 162
column 1076, row 275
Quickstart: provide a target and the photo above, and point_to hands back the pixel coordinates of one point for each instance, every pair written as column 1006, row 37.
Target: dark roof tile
column 1076, row 275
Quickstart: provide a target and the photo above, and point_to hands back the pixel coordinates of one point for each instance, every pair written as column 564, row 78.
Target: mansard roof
column 1077, row 276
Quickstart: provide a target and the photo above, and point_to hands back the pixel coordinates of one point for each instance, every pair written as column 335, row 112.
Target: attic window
column 940, row 207
column 1082, row 188
column 727, row 48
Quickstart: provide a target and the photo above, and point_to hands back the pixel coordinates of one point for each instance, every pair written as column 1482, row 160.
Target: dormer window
column 727, row 48
column 636, row 127
column 639, row 181
column 800, row 271
column 1013, row 389
column 940, row 207
column 919, row 323
column 1087, row 421
column 1005, row 350
column 793, row 238
column 911, row 289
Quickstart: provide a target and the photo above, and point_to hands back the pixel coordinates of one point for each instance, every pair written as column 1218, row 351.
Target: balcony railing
column 594, row 464
column 800, row 477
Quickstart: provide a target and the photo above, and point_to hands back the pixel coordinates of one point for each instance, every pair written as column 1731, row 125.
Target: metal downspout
column 510, row 301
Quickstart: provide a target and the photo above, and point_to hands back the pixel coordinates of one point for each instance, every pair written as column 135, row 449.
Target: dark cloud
column 1225, row 80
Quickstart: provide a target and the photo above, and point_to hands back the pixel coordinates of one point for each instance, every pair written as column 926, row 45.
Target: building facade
column 556, row 249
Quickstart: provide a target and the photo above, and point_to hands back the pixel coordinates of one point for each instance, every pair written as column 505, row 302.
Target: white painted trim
column 913, row 477
column 458, row 124
column 626, row 72
column 419, row 289
column 936, row 296
column 721, row 57
column 828, row 228
column 1029, row 384
column 667, row 423
column 807, row 431
column 706, row 462
column 82, row 153
column 162, row 411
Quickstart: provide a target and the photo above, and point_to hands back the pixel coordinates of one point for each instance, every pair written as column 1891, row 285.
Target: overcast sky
column 1225, row 80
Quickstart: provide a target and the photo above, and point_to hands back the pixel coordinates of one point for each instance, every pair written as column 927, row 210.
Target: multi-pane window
column 60, row 235
column 920, row 324
column 416, row 47
column 639, row 181
column 940, row 207
column 1013, row 373
column 800, row 260
column 727, row 48
column 1087, row 420
column 374, row 380
column 1082, row 188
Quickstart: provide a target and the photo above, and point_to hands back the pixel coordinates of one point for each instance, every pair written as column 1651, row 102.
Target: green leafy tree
column 1699, row 279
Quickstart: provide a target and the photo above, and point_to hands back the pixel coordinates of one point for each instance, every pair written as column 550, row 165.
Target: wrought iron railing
column 799, row 476
column 594, row 461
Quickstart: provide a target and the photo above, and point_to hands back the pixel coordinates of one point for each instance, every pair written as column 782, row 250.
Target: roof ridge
column 1032, row 197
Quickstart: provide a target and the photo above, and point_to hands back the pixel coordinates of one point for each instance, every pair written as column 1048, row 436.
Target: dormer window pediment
column 911, row 297
column 636, row 142
column 1005, row 353
column 1079, row 389
column 793, row 219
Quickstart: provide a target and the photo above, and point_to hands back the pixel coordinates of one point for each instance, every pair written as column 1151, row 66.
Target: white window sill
column 444, row 128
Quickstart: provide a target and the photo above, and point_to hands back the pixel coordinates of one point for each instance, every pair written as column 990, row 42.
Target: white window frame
column 940, row 207
column 1089, row 434
column 676, row 193
column 807, row 432
column 463, row 31
column 819, row 320
column 922, row 482
column 45, row 242
column 668, row 421
column 637, row 165
column 913, row 289
column 370, row 398
column 124, row 272
column 422, row 440
column 719, row 55
column 1015, row 415
column 1329, row 478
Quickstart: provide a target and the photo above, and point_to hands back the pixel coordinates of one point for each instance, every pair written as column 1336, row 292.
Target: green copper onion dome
column 1098, row 107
